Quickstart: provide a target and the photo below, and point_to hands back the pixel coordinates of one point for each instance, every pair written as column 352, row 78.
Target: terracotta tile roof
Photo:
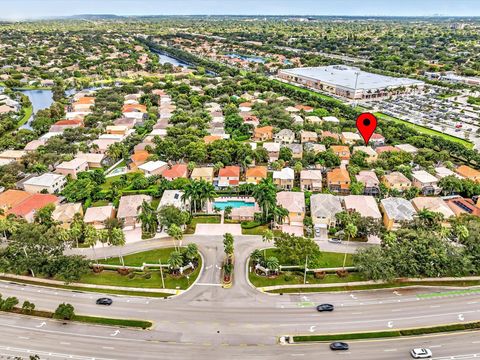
column 229, row 171
column 211, row 138
column 85, row 100
column 386, row 148
column 264, row 130
column 134, row 107
column 304, row 107
column 257, row 171
column 376, row 136
column 467, row 171
column 33, row 202
column 461, row 205
column 140, row 156
column 69, row 122
column 11, row 198
column 338, row 175
column 176, row 171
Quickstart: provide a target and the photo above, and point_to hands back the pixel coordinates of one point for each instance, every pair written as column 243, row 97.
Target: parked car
column 338, row 346
column 325, row 307
column 335, row 241
column 104, row 301
column 421, row 353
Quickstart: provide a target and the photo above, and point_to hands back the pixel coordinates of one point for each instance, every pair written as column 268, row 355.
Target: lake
column 40, row 99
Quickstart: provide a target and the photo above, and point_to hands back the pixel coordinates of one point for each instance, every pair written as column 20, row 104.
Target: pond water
column 40, row 99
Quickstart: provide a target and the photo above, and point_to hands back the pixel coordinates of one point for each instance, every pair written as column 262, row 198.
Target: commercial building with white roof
column 349, row 82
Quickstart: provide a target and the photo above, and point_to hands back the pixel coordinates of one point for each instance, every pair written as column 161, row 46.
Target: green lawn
column 295, row 277
column 424, row 130
column 201, row 220
column 26, row 116
column 112, row 278
column 150, row 257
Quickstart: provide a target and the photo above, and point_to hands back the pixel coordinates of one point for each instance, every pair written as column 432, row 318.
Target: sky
column 30, row 9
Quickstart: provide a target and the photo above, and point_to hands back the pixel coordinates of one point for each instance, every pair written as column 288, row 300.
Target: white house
column 52, row 183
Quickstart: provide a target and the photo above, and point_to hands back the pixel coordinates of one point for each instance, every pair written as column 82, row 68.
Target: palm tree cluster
column 265, row 194
column 197, row 193
column 179, row 258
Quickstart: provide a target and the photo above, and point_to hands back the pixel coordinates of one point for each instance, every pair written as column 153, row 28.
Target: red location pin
column 366, row 124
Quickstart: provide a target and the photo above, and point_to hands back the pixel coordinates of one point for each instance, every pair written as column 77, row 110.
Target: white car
column 421, row 353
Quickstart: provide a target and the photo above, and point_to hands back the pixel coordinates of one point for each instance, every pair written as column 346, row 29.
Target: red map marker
column 366, row 124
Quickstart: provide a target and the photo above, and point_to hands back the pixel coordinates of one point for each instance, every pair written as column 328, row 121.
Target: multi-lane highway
column 208, row 321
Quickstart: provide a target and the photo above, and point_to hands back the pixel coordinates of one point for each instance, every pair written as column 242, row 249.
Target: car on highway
column 325, row 307
column 421, row 353
column 337, row 345
column 104, row 301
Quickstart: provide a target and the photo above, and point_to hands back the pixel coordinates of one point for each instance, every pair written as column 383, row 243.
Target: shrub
column 97, row 269
column 288, row 276
column 147, row 276
column 64, row 312
column 131, row 275
column 250, row 224
column 123, row 271
column 320, row 274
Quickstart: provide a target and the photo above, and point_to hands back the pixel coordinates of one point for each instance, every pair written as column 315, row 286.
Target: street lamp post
column 161, row 273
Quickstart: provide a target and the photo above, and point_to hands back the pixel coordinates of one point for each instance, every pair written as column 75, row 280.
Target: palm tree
column 91, row 238
column 192, row 194
column 265, row 194
column 267, row 237
column 351, row 231
column 272, row 263
column 257, row 256
column 116, row 237
column 175, row 260
column 149, row 218
column 191, row 252
column 279, row 214
column 176, row 233
column 207, row 192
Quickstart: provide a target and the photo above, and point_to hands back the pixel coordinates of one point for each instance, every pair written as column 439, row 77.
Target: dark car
column 104, row 301
column 325, row 307
column 339, row 346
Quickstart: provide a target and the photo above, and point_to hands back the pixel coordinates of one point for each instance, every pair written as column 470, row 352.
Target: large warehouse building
column 350, row 82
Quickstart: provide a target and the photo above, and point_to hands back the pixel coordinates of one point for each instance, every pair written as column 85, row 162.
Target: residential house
column 396, row 180
column 49, row 182
column 350, row 138
column 372, row 155
column 176, row 171
column 117, row 129
column 377, row 140
column 11, row 198
column 229, row 176
column 273, row 150
column 72, row 167
column 173, row 197
column 297, row 150
column 313, row 119
column 65, row 213
column 308, row 136
column 245, row 106
column 264, row 133
column 61, row 125
column 94, row 161
column 129, row 209
column 329, row 135
column 202, row 173
column 138, row 158
column 27, row 208
column 468, row 173
column 311, row 180
column 342, row 151
column 338, row 181
column 97, row 216
column 297, row 120
column 315, row 148
column 396, row 211
column 365, row 205
column 442, row 171
column 461, row 206
column 371, row 184
column 434, row 204
column 305, row 108
column 407, row 148
column 294, row 202
column 425, row 182
column 208, row 139
column 386, row 148
column 34, row 145
column 331, row 119
column 8, row 156
column 284, row 178
column 102, row 145
column 323, row 208
column 255, row 174
column 285, row 136
column 153, row 167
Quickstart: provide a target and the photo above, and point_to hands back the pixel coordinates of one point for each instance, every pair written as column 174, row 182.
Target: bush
column 97, row 269
column 8, row 304
column 147, row 276
column 320, row 274
column 250, row 224
column 288, row 276
column 131, row 275
column 64, row 312
column 123, row 271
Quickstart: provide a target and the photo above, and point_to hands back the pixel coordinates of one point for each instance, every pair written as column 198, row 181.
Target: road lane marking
column 388, row 350
column 208, row 284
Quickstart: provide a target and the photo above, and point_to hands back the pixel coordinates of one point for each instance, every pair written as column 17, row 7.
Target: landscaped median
column 141, row 324
column 388, row 334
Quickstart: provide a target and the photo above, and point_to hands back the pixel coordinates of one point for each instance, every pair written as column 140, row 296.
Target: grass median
column 389, row 334
column 141, row 324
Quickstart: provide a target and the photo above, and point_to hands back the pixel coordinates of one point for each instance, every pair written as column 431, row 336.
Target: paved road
column 208, row 320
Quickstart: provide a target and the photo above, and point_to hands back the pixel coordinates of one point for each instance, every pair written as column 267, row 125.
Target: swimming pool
column 232, row 203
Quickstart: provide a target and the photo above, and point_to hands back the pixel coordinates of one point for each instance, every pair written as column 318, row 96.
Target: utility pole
column 305, row 272
column 161, row 273
column 357, row 73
